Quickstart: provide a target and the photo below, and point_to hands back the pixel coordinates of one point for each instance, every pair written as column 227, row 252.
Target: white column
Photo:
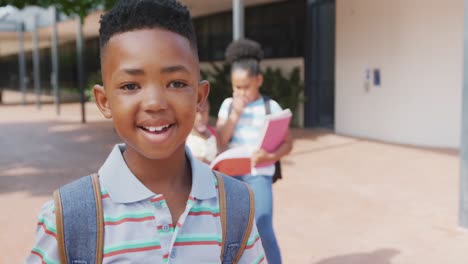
column 21, row 60
column 80, row 66
column 463, row 207
column 36, row 64
column 238, row 19
column 55, row 60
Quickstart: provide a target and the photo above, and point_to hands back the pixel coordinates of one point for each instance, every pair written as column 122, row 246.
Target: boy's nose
column 154, row 99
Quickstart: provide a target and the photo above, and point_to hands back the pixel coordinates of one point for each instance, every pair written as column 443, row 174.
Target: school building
column 389, row 70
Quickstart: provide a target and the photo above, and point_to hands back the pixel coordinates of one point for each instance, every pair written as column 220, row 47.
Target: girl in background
column 240, row 119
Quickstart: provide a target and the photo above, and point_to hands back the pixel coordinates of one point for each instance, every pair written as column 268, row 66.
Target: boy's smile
column 151, row 91
column 156, row 131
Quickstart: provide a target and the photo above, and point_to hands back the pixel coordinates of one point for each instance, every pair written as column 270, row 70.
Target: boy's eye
column 129, row 86
column 177, row 84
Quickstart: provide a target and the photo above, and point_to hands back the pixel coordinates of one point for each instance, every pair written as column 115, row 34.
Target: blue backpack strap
column 79, row 217
column 237, row 210
column 266, row 99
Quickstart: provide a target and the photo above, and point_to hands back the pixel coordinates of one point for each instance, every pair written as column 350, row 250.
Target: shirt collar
column 203, row 183
column 123, row 187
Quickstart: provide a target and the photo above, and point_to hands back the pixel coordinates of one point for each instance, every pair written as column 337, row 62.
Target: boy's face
column 246, row 86
column 151, row 90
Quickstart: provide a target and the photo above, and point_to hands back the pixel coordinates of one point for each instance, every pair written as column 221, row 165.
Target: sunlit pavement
column 342, row 200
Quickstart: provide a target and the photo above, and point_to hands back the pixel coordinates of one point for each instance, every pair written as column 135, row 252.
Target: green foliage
column 220, row 84
column 20, row 3
column 287, row 90
column 93, row 78
column 80, row 8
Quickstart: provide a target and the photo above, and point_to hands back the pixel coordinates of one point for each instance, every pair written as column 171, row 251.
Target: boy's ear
column 202, row 93
column 101, row 100
column 260, row 80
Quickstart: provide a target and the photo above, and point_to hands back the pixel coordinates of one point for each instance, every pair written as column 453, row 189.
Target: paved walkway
column 343, row 200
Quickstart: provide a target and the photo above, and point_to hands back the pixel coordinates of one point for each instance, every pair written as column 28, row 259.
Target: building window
column 278, row 27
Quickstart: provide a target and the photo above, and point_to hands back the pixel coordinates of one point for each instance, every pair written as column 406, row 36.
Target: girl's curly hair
column 245, row 54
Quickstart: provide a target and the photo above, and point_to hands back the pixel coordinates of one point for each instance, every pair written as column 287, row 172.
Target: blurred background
column 379, row 170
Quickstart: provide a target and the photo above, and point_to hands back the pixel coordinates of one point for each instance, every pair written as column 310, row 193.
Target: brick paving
column 343, row 200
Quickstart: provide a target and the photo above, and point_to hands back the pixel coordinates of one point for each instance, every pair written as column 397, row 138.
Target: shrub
column 93, row 78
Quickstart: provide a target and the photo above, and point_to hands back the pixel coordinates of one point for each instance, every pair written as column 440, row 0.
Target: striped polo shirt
column 138, row 224
column 247, row 131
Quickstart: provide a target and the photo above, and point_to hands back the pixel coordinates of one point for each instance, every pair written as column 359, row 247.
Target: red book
column 233, row 162
column 236, row 161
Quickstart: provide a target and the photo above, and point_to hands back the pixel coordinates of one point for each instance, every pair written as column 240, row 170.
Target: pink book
column 274, row 131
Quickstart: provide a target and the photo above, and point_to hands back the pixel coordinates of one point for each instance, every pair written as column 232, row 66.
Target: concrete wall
column 418, row 47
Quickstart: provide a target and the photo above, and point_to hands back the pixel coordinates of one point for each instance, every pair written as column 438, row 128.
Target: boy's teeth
column 158, row 128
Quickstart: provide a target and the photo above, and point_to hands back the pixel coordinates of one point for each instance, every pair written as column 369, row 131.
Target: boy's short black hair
column 245, row 54
column 129, row 15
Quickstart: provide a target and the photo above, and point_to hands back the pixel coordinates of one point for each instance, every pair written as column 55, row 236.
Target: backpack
column 278, row 175
column 212, row 131
column 80, row 222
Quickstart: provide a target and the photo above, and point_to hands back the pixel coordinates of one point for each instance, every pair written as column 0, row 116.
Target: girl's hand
column 261, row 156
column 239, row 102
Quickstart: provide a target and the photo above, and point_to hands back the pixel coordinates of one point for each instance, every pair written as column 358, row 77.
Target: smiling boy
column 160, row 205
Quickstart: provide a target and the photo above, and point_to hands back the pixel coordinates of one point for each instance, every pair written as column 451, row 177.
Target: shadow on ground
column 379, row 256
column 39, row 157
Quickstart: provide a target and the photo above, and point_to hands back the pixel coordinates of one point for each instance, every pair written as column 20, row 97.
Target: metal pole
column 36, row 64
column 21, row 61
column 463, row 207
column 55, row 61
column 80, row 61
column 238, row 19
